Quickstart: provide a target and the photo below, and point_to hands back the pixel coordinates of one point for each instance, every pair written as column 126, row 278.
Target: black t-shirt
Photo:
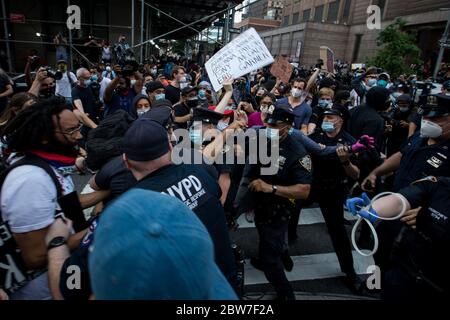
column 181, row 110
column 366, row 120
column 115, row 176
column 4, row 82
column 200, row 192
column 328, row 168
column 173, row 94
column 87, row 99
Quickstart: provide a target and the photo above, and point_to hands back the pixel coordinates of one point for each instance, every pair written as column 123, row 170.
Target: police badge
column 306, row 163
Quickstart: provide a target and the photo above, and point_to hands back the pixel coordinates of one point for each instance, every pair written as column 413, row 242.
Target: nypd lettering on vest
column 189, row 190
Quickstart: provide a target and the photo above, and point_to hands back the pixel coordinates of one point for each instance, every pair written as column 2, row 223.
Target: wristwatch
column 274, row 189
column 56, row 242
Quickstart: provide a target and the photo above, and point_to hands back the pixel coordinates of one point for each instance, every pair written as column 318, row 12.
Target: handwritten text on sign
column 244, row 54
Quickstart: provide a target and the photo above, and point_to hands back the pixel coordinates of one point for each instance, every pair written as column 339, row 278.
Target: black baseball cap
column 438, row 105
column 188, row 90
column 145, row 140
column 162, row 103
column 206, row 116
column 154, row 85
column 162, row 114
column 282, row 113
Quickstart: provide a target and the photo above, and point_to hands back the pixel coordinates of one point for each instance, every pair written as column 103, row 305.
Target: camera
column 55, row 75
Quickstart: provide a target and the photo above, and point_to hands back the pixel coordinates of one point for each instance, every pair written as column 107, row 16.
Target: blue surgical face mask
column 382, row 83
column 94, row 78
column 327, row 126
column 272, row 134
column 87, row 83
column 202, row 94
column 372, row 82
column 160, row 96
column 195, row 136
column 291, row 131
column 323, row 103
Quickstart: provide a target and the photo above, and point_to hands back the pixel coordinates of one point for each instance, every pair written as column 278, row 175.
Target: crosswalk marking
column 307, row 217
column 310, row 267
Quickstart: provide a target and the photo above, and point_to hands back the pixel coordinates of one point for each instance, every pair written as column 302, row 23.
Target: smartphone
column 71, row 206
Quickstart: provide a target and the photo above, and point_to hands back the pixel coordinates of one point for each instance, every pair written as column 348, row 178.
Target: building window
column 306, row 15
column 333, row 11
column 318, row 14
column 381, row 4
column 347, row 6
column 295, row 17
column 285, row 21
column 357, row 47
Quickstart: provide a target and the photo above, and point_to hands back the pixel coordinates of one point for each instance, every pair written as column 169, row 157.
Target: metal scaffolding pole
column 195, row 22
column 5, row 25
column 227, row 25
column 142, row 29
column 70, row 44
column 177, row 20
column 132, row 23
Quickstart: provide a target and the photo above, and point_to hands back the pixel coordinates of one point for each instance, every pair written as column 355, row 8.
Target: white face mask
column 132, row 82
column 183, row 85
column 429, row 129
column 142, row 111
column 296, row 93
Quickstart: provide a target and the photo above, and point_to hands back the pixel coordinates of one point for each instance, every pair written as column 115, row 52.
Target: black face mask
column 192, row 103
column 258, row 99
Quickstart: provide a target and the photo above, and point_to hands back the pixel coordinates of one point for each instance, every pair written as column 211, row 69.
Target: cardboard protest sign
column 327, row 55
column 244, row 54
column 282, row 69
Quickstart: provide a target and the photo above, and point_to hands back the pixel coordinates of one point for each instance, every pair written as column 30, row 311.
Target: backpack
column 105, row 141
column 14, row 274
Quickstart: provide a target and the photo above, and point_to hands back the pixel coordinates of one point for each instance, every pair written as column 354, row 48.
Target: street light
column 38, row 34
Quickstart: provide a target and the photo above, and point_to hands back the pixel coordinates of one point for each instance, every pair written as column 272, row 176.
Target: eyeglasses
column 73, row 131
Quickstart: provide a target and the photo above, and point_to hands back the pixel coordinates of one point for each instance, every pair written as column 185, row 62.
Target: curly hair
column 32, row 126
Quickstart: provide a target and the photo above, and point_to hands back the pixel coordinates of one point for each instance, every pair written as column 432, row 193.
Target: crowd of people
column 160, row 229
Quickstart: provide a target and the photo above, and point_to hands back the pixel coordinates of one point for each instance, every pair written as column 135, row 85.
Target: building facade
column 342, row 25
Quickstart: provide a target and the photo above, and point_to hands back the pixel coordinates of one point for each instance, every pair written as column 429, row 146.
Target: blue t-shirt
column 302, row 112
column 119, row 101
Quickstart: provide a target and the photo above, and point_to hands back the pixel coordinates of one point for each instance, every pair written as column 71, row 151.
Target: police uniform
column 420, row 265
column 272, row 212
column 419, row 160
column 329, row 190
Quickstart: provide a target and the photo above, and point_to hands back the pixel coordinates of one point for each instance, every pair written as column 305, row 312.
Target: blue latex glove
column 356, row 205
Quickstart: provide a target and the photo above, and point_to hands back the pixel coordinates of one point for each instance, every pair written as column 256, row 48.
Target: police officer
column 426, row 153
column 329, row 185
column 419, row 265
column 274, row 195
column 147, row 153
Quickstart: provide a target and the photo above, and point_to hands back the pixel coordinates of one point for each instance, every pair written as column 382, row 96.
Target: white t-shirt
column 63, row 87
column 28, row 202
column 103, row 84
